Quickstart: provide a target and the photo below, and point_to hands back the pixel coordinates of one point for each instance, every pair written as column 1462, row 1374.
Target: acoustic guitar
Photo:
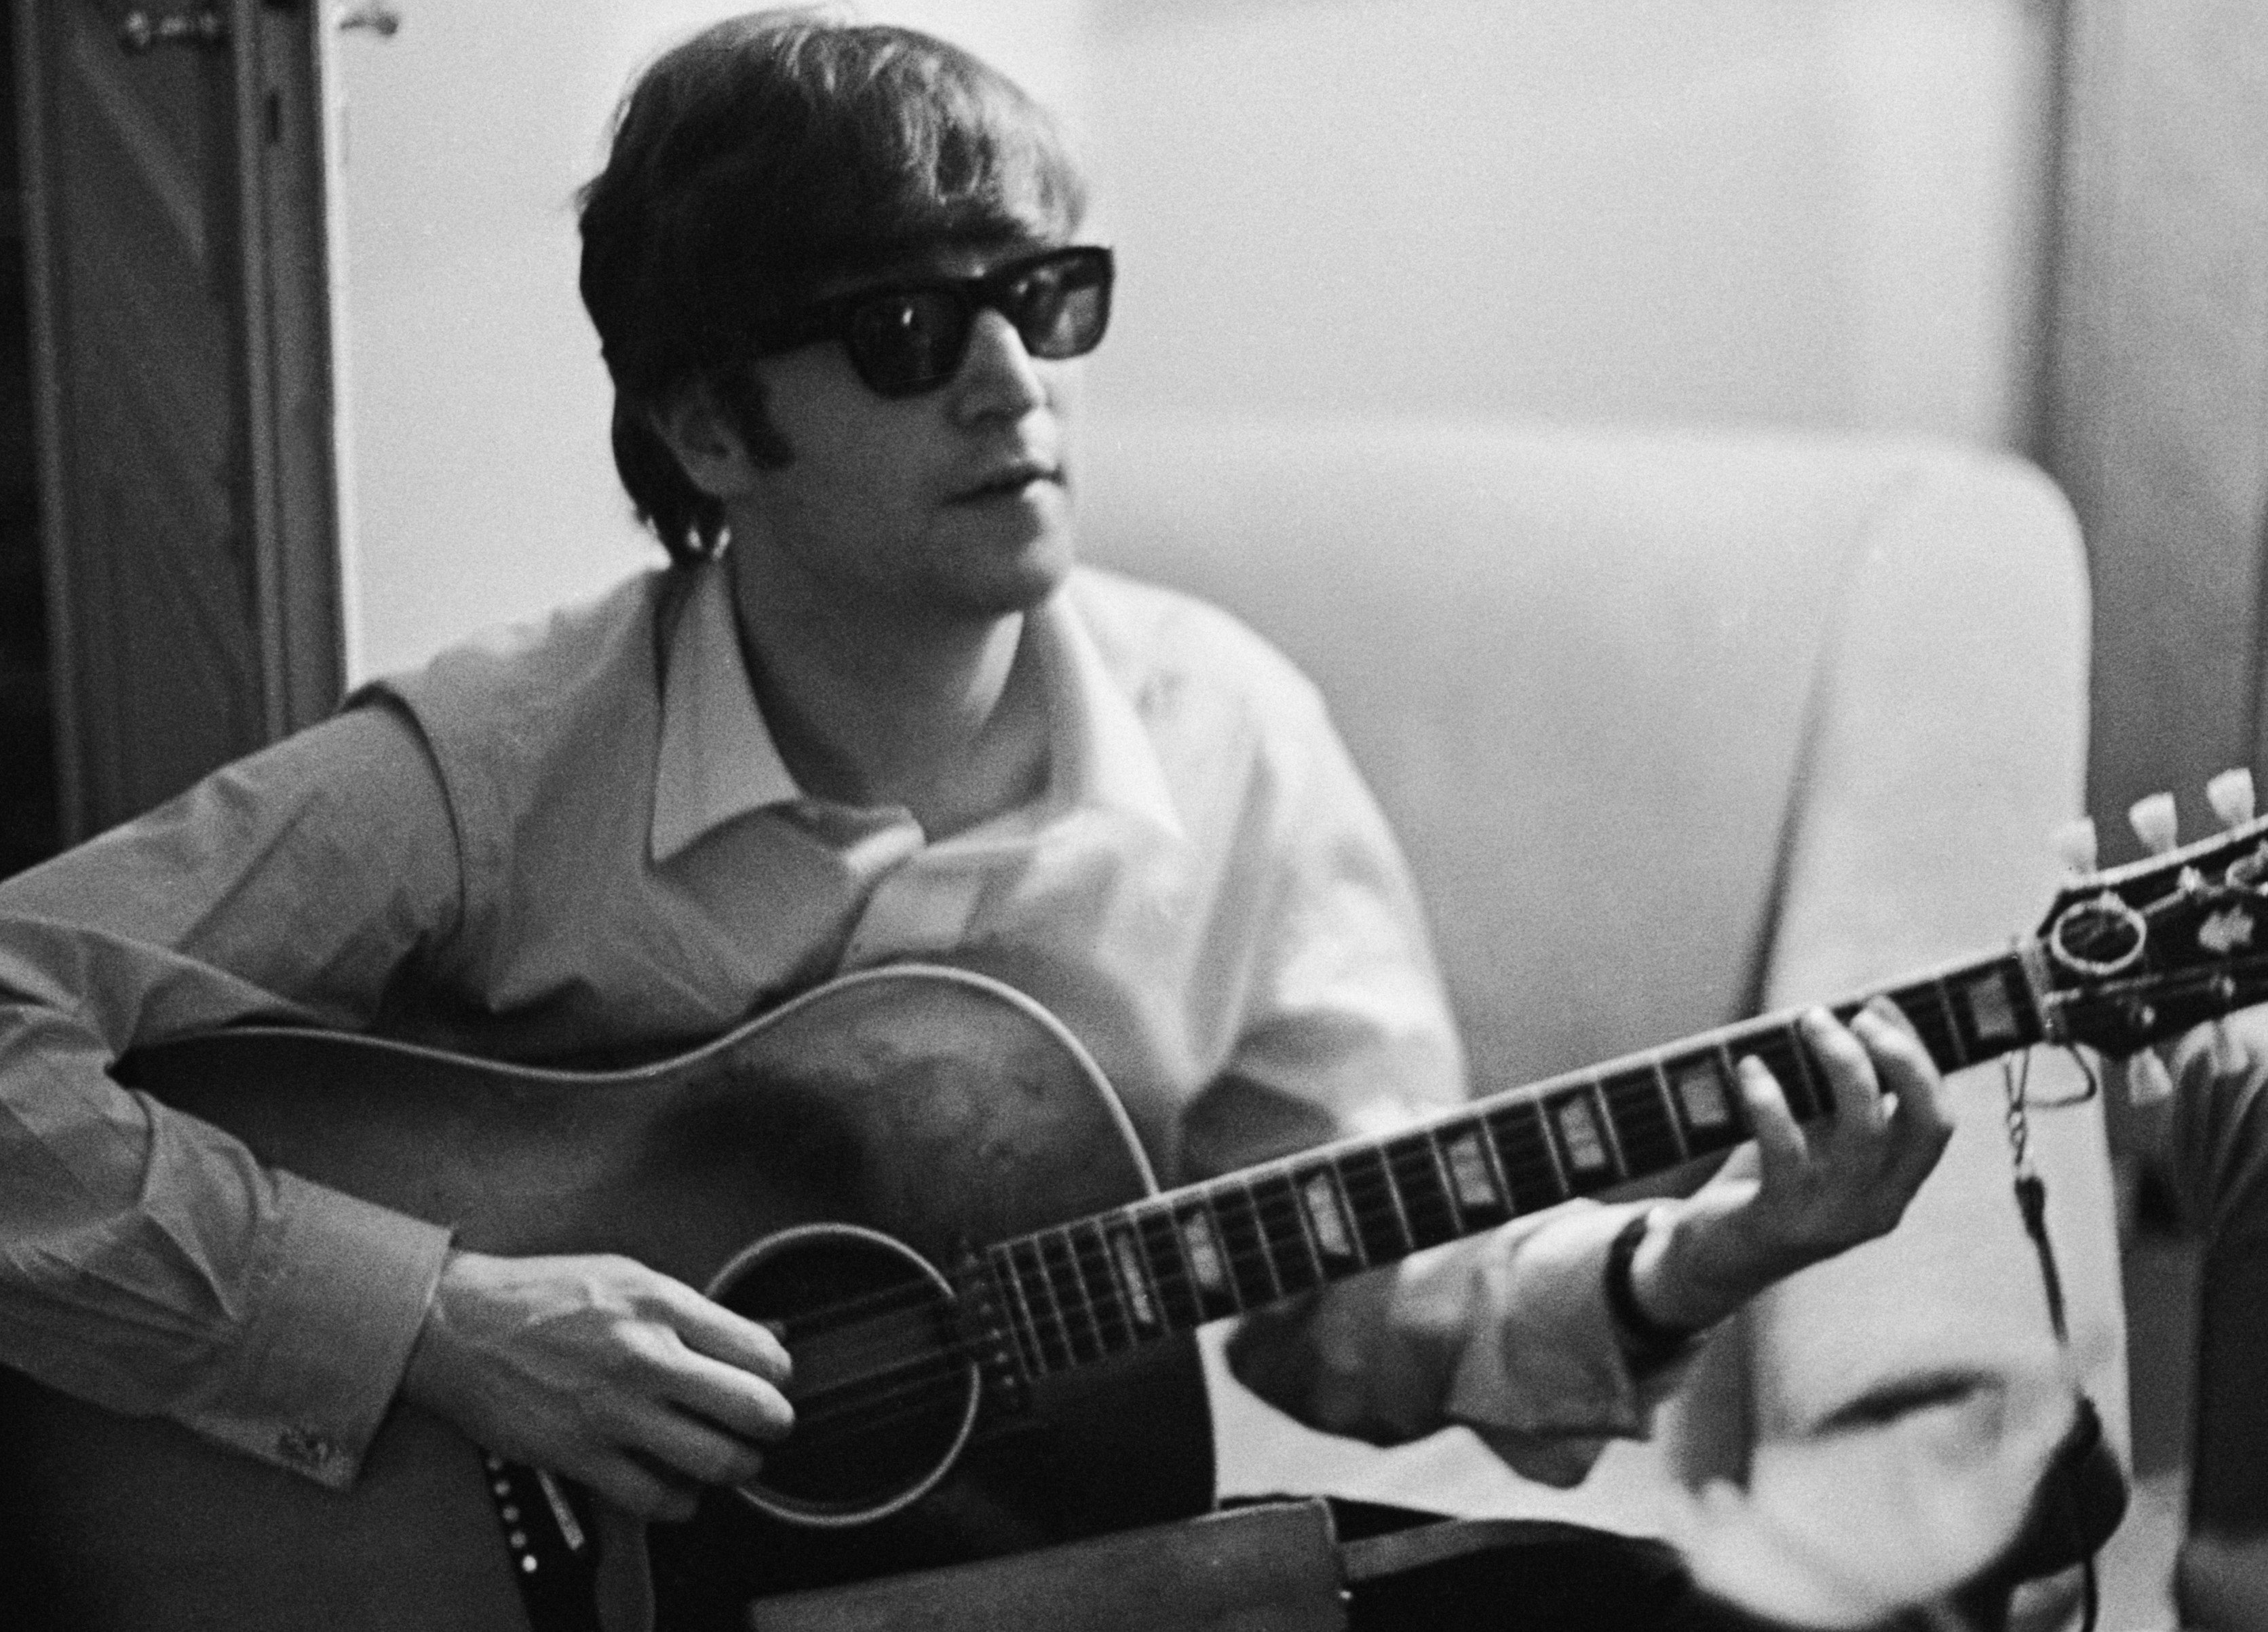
column 922, row 1177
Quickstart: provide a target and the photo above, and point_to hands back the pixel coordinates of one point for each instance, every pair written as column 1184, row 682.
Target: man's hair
column 756, row 162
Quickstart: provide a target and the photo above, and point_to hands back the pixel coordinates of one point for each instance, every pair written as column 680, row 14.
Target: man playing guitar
column 869, row 712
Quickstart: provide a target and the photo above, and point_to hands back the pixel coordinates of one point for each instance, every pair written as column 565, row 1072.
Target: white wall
column 479, row 484
column 1812, row 212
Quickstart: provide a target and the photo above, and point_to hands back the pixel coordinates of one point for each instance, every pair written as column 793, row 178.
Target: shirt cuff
column 1545, row 1366
column 336, row 1313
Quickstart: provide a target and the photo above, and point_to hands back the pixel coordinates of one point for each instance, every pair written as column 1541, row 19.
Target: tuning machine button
column 2073, row 844
column 2230, row 795
column 2155, row 823
column 2147, row 1082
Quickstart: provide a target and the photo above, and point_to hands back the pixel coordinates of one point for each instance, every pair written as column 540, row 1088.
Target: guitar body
column 939, row 1109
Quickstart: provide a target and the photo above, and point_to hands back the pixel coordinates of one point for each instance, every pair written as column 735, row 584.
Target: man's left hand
column 1798, row 1196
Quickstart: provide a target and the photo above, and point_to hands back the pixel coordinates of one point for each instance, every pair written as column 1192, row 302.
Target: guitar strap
column 2081, row 1496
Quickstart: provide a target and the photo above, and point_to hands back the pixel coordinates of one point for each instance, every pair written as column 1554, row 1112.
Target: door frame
column 288, row 499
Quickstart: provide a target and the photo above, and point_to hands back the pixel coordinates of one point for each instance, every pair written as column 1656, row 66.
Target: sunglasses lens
column 1061, row 308
column 903, row 340
column 908, row 341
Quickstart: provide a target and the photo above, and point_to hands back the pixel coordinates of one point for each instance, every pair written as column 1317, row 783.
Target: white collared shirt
column 578, row 836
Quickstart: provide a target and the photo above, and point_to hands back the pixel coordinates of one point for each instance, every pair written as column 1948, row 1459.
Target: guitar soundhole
column 883, row 1401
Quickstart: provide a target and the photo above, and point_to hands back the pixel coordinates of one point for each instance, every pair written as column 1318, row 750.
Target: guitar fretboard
column 1098, row 1285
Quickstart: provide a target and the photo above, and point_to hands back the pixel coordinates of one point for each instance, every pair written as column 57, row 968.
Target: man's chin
column 1011, row 580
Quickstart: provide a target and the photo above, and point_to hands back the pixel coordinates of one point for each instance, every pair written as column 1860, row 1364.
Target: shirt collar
column 717, row 760
column 1099, row 755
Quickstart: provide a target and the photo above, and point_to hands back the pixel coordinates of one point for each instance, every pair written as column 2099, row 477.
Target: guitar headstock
column 2139, row 952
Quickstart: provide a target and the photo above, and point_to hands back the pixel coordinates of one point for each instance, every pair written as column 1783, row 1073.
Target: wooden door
column 174, row 214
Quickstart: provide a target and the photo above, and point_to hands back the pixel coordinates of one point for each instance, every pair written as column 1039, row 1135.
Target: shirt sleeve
column 147, row 1261
column 1347, row 1030
column 2207, row 1117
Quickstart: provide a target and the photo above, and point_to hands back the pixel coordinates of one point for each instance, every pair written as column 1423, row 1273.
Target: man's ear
column 704, row 442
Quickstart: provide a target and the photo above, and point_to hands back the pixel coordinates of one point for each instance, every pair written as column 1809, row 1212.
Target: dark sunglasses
column 911, row 336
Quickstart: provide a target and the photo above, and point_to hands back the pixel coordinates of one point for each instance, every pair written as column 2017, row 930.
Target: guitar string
column 1280, row 1258
column 920, row 1385
column 1280, row 1243
column 1105, row 1328
column 869, row 1402
column 1279, row 1261
column 1410, row 1169
column 910, row 1387
column 1279, row 1255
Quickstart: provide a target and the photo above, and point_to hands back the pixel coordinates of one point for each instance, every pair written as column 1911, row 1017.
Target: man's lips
column 1008, row 480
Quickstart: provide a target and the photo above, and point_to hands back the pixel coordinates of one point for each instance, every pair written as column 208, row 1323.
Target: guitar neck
column 1098, row 1285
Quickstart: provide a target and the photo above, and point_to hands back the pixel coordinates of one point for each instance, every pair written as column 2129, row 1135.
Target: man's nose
column 998, row 376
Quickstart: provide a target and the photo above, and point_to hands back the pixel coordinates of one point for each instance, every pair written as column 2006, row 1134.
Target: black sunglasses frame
column 837, row 317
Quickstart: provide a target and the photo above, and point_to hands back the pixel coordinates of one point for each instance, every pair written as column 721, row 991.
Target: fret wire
column 1505, row 1124
column 2023, row 1008
column 1279, row 1185
column 1430, row 1214
column 1038, row 1275
column 1074, row 1288
column 1581, row 1100
column 1552, row 1148
column 1956, row 1046
column 1780, row 1047
column 1823, row 1101
column 1394, row 1195
column 1019, row 1316
column 1931, row 1022
column 1177, row 1282
column 1706, row 1098
column 1941, row 1040
column 1384, row 1235
column 1062, row 1267
column 1441, row 1177
column 2008, row 1019
column 1214, row 1299
column 1478, row 1124
column 1234, row 1211
column 1643, row 1122
column 1133, row 1266
column 1660, row 1081
column 1091, row 1256
column 1911, row 1002
column 1357, row 1254
column 1465, row 1132
column 1597, row 1091
column 1730, row 1075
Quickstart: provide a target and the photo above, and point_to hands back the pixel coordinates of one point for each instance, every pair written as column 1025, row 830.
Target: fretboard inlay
column 1097, row 1286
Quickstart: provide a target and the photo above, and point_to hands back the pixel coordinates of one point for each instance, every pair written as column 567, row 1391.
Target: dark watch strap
column 1648, row 1343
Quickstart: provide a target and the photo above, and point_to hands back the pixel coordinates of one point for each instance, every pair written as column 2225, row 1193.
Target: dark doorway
column 29, row 828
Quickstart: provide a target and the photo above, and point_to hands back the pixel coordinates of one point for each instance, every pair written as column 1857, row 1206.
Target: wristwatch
column 1648, row 1344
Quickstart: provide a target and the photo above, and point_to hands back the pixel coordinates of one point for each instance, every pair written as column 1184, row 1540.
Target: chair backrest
column 1605, row 685
column 1673, row 727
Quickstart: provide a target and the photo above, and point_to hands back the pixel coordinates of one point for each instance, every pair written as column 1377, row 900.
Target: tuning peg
column 2156, row 823
column 2074, row 844
column 2230, row 795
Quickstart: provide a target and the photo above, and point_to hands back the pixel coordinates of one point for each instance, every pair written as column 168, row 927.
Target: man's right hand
column 601, row 1370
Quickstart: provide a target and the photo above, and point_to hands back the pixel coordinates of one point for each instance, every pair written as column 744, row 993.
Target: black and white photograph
column 1134, row 816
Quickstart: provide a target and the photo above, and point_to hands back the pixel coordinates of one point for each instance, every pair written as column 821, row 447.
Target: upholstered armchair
column 1676, row 729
